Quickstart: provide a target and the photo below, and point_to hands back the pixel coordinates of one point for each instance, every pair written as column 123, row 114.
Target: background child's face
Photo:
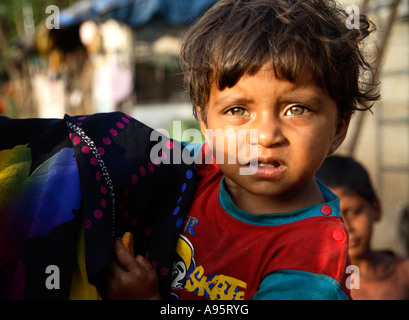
column 359, row 216
column 296, row 126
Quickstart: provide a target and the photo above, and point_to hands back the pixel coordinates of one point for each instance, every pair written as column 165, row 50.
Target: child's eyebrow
column 231, row 100
column 311, row 97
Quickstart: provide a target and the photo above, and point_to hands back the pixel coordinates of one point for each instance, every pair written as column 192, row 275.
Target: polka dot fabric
column 125, row 190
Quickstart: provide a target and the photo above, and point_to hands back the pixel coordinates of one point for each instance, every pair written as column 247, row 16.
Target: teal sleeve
column 299, row 285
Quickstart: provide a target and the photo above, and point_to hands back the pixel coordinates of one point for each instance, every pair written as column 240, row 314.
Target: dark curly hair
column 302, row 38
column 348, row 174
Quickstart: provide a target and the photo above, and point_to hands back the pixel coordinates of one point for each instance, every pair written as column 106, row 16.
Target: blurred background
column 82, row 57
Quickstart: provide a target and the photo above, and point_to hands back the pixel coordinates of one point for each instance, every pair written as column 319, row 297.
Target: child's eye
column 352, row 212
column 237, row 111
column 296, row 110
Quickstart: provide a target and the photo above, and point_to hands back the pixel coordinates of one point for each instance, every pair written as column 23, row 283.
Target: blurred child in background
column 382, row 274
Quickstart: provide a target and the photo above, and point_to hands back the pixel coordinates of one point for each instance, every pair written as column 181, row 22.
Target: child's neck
column 373, row 264
column 283, row 203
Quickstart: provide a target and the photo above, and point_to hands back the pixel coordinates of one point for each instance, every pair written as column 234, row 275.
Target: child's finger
column 124, row 258
column 113, row 269
column 144, row 263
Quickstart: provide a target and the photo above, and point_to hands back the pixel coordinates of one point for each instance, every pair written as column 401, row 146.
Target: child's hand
column 131, row 278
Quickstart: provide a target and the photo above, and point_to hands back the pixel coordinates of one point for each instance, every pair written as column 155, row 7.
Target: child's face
column 296, row 125
column 359, row 216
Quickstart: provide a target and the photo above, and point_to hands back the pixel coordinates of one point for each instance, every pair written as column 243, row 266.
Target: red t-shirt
column 226, row 253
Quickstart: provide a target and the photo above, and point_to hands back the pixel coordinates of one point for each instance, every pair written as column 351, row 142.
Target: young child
column 383, row 275
column 289, row 70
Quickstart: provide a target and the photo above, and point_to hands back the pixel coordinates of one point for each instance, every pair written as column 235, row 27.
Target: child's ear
column 341, row 131
column 203, row 125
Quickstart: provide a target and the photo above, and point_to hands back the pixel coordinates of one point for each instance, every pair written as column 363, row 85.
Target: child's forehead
column 346, row 192
column 303, row 86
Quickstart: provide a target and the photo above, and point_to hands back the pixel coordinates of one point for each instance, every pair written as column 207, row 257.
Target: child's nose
column 348, row 223
column 270, row 132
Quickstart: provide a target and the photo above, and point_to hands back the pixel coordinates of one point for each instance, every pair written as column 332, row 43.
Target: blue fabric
column 299, row 285
column 275, row 219
column 135, row 13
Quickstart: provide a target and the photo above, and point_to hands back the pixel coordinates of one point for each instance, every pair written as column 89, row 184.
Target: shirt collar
column 328, row 209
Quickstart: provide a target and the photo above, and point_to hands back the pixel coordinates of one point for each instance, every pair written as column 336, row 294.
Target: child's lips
column 267, row 161
column 353, row 242
column 273, row 164
column 268, row 168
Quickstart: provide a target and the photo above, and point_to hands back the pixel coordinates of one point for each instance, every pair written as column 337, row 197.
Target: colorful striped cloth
column 69, row 187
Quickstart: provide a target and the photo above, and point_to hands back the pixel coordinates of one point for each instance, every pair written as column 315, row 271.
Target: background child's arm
column 131, row 277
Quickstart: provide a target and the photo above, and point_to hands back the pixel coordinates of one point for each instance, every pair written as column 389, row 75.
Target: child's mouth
column 274, row 164
column 267, row 169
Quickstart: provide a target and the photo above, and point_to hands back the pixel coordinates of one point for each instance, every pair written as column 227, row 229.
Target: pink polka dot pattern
column 96, row 154
column 98, row 214
column 76, row 140
column 101, row 151
column 125, row 215
column 142, row 170
column 148, row 231
column 134, row 179
column 105, row 143
column 164, row 271
column 164, row 155
column 87, row 223
column 141, row 226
